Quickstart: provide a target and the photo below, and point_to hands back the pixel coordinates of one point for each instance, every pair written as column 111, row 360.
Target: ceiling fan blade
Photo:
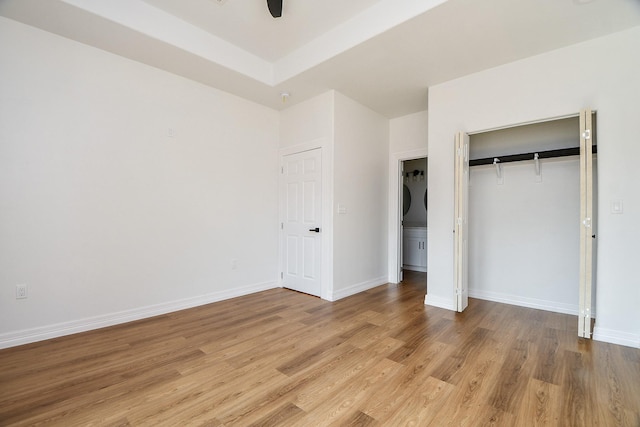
column 275, row 7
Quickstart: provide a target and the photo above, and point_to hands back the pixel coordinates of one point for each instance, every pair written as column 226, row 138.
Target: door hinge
column 587, row 222
column 282, row 169
column 586, row 134
column 281, row 275
column 282, row 226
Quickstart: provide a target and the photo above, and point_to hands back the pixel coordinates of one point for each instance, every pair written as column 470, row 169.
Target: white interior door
column 461, row 221
column 586, row 226
column 302, row 222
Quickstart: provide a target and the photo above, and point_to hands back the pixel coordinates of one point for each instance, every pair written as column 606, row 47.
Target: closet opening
column 526, row 216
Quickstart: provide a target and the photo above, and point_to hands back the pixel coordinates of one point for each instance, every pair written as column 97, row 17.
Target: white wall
column 524, row 239
column 308, row 121
column 103, row 215
column 407, row 140
column 361, row 177
column 601, row 74
column 408, row 133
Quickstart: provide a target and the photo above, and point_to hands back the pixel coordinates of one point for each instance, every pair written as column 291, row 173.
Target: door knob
column 317, row 229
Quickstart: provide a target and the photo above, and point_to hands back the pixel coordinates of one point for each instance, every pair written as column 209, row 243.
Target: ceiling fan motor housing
column 275, row 7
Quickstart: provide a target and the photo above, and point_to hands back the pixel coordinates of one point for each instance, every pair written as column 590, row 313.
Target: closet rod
column 563, row 152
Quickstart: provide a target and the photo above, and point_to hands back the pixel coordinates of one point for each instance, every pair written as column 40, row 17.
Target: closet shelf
column 563, row 152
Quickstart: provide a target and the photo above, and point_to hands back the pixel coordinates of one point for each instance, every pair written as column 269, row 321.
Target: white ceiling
column 248, row 24
column 383, row 53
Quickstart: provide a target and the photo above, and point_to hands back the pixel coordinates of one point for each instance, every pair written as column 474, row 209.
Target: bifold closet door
column 586, row 226
column 461, row 221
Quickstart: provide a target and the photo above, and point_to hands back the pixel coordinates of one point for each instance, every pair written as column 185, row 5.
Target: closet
column 521, row 237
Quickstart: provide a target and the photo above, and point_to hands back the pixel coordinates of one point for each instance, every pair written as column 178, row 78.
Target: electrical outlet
column 21, row 291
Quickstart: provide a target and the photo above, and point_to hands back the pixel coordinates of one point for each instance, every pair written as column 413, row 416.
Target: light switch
column 342, row 210
column 616, row 207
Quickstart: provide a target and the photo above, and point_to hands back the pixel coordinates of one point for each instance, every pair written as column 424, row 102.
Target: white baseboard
column 447, row 304
column 414, row 268
column 12, row 339
column 616, row 337
column 359, row 287
column 539, row 304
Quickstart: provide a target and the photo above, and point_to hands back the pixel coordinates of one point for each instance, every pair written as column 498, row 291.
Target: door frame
column 326, row 259
column 395, row 210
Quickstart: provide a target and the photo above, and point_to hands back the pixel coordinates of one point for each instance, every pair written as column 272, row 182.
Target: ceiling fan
column 275, row 7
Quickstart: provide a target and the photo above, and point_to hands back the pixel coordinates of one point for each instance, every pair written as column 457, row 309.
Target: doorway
column 529, row 193
column 414, row 215
column 396, row 180
column 301, row 227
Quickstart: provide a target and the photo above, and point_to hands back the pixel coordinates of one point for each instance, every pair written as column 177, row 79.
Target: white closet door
column 586, row 226
column 461, row 221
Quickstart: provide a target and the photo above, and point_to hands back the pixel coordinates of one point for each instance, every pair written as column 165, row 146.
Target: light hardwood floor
column 280, row 358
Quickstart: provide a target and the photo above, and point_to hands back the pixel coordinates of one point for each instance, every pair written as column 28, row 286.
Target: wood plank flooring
column 281, row 358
